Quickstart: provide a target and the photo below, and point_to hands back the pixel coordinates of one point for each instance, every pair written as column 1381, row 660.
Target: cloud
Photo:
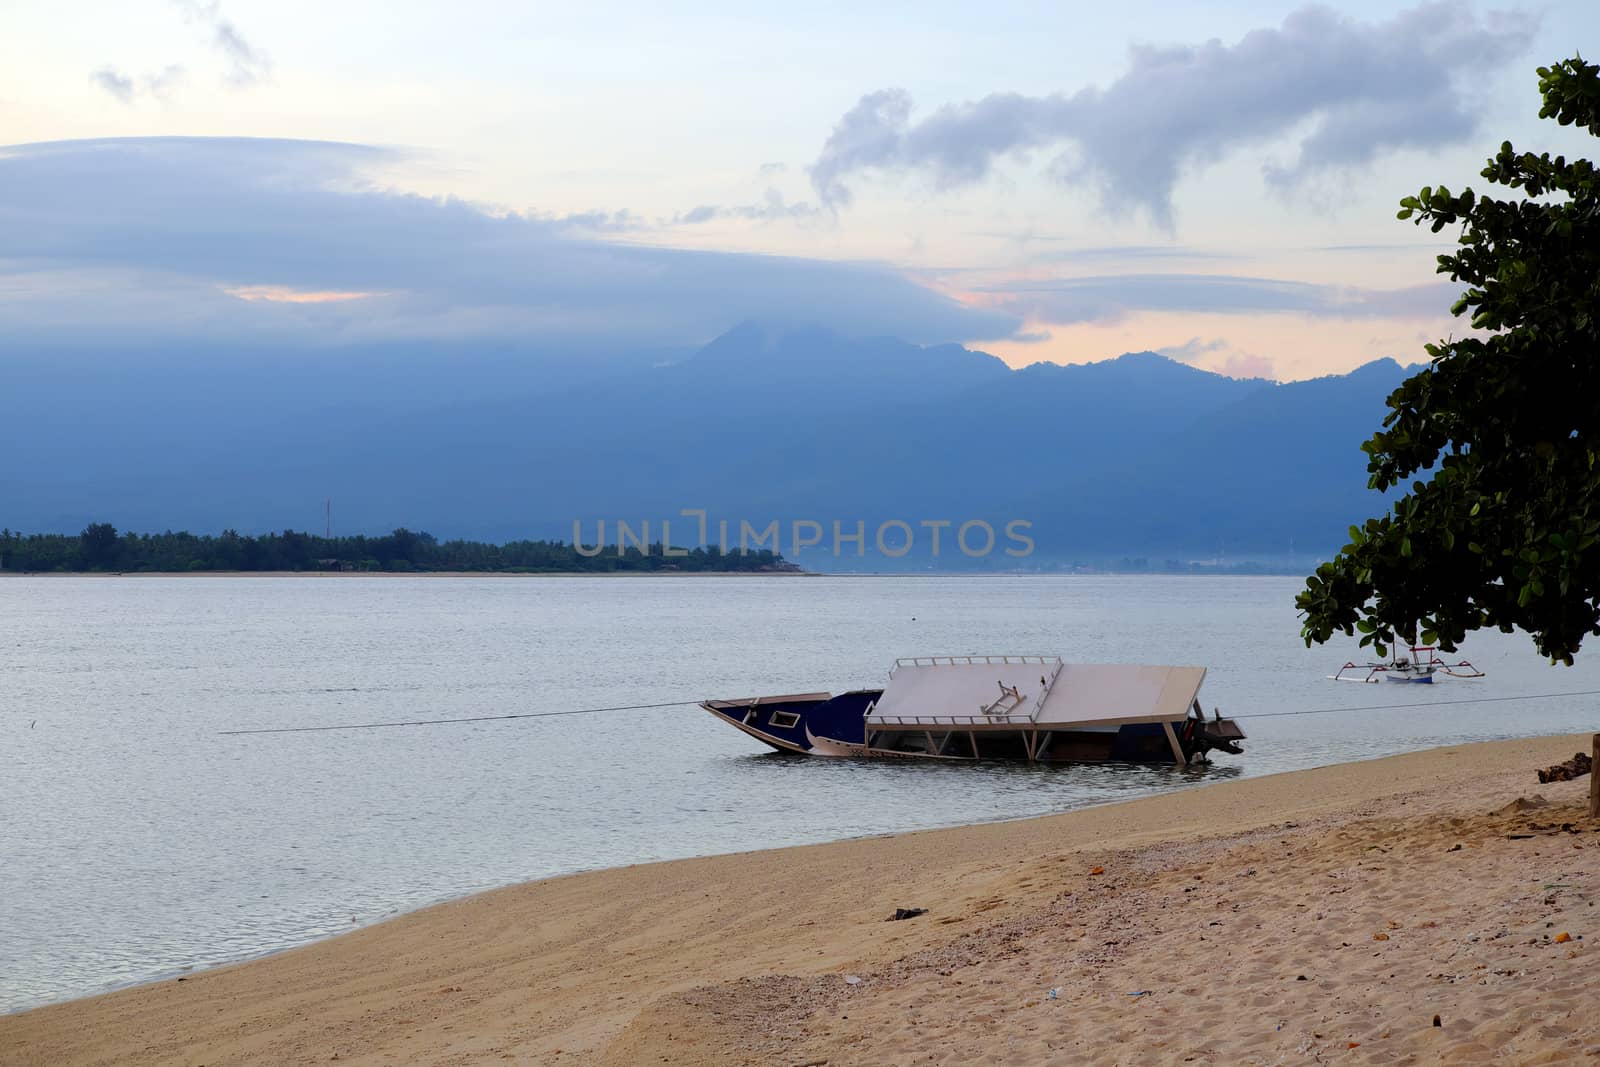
column 170, row 77
column 1409, row 247
column 1363, row 88
column 1131, row 252
column 772, row 208
column 1106, row 298
column 126, row 88
column 280, row 294
column 697, row 215
column 114, row 82
column 1192, row 349
column 619, row 221
column 246, row 64
column 871, row 134
column 115, row 239
column 1200, row 353
column 1247, row 365
column 1025, row 239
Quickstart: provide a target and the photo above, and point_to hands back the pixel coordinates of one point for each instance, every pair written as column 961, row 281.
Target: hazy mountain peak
column 1386, row 366
column 754, row 338
column 759, row 353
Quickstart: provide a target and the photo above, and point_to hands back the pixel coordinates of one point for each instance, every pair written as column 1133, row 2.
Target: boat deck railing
column 960, row 661
column 950, row 720
column 992, row 714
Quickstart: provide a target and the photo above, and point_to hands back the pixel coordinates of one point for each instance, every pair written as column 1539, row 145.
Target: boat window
column 784, row 719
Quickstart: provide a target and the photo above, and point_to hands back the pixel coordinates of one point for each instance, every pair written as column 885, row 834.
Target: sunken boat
column 1033, row 708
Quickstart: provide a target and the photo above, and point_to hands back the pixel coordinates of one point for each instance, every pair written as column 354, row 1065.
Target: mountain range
column 1135, row 456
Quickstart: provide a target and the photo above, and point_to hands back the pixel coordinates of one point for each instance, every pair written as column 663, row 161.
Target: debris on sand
column 1576, row 767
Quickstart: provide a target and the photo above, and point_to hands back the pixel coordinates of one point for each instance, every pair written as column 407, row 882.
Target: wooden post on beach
column 1594, row 780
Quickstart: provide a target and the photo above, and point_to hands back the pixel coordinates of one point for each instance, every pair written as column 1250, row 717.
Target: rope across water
column 442, row 722
column 688, row 703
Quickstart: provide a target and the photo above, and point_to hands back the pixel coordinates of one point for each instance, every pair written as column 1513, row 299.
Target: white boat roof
column 1039, row 691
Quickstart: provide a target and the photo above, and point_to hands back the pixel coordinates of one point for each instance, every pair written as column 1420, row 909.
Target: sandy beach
column 1436, row 907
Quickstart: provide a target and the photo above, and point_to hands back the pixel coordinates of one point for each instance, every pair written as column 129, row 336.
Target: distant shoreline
column 644, row 574
column 409, row 574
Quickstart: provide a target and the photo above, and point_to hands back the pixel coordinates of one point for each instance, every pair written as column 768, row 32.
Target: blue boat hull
column 839, row 719
column 835, row 726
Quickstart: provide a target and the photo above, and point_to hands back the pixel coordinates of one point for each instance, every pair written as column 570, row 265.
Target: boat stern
column 1222, row 734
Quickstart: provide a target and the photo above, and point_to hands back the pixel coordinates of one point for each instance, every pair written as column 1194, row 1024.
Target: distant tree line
column 100, row 547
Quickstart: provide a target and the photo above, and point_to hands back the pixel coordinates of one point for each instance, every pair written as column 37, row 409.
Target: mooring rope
column 687, row 703
column 441, row 722
column 1419, row 704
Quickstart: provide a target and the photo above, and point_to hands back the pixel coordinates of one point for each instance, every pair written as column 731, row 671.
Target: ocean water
column 137, row 840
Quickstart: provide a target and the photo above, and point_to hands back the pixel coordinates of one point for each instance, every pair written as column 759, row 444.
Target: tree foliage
column 1506, row 531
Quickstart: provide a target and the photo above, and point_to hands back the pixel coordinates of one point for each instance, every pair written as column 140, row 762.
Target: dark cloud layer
column 1364, row 89
column 1109, row 297
column 108, row 236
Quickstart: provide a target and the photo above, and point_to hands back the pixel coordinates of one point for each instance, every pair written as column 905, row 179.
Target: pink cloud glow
column 282, row 294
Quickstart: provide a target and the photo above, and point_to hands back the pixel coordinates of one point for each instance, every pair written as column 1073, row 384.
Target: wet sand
column 1319, row 916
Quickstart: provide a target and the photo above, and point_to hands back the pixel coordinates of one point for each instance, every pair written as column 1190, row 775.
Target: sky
column 1059, row 182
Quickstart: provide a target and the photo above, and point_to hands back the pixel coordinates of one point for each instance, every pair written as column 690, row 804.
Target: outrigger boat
column 1033, row 708
column 1408, row 667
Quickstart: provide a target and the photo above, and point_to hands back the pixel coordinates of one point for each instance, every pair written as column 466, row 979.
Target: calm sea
column 136, row 840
